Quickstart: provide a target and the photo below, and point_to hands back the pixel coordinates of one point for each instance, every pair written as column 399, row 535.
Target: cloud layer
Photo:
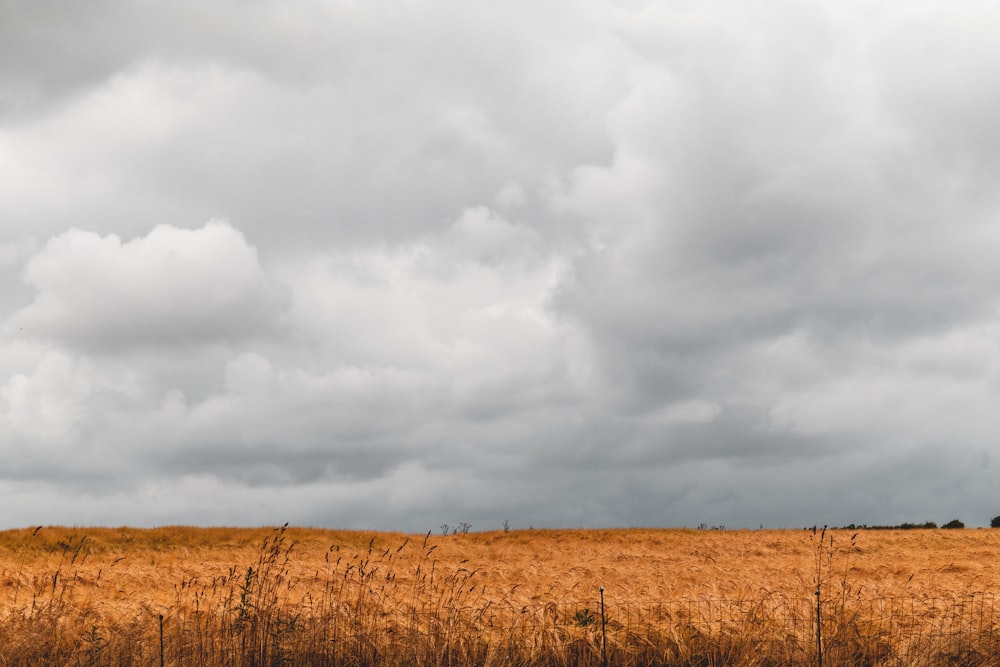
column 394, row 266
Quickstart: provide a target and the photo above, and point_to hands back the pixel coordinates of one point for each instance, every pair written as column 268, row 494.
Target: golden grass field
column 307, row 596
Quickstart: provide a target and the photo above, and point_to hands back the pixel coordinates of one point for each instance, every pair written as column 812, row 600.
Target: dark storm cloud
column 626, row 263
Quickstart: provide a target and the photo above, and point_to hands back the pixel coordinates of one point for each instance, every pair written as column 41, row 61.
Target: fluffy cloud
column 429, row 358
column 169, row 286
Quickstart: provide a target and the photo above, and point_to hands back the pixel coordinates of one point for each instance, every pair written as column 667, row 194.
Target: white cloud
column 170, row 286
column 47, row 405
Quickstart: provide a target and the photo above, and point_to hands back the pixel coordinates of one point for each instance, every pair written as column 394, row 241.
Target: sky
column 401, row 264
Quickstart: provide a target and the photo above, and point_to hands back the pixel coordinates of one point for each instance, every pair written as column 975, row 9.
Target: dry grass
column 266, row 596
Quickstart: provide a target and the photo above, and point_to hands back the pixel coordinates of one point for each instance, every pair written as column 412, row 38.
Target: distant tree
column 913, row 526
column 995, row 523
column 954, row 523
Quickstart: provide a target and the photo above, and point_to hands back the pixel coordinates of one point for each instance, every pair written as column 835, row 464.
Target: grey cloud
column 633, row 264
column 931, row 64
column 362, row 124
column 746, row 229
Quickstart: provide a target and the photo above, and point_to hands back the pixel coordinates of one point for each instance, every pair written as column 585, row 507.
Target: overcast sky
column 393, row 264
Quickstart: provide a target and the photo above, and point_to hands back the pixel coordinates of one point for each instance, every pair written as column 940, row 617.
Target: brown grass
column 229, row 596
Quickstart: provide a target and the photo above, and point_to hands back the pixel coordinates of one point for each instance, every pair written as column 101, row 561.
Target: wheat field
column 304, row 596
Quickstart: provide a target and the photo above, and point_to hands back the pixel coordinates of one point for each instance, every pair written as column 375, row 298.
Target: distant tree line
column 954, row 523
